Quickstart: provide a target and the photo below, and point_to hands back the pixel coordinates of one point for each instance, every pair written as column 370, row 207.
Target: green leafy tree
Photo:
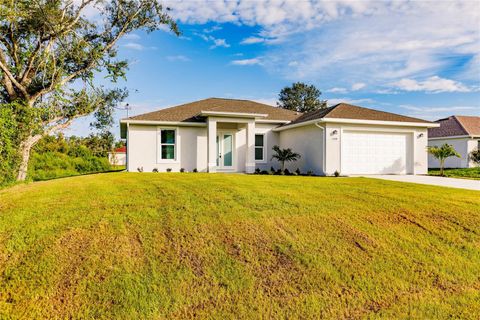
column 284, row 155
column 50, row 51
column 443, row 153
column 301, row 97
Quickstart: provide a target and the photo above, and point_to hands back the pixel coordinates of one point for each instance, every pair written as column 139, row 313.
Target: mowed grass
column 464, row 173
column 176, row 246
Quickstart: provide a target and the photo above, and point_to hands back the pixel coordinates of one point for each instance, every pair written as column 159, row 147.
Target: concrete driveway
column 431, row 180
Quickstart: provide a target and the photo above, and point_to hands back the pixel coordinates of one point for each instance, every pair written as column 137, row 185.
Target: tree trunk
column 25, row 148
column 442, row 163
column 283, row 166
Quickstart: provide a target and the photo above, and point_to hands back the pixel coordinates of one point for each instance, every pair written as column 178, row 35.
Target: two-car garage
column 352, row 140
column 366, row 152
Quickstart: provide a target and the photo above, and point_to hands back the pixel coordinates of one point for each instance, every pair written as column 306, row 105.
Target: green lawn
column 173, row 245
column 466, row 173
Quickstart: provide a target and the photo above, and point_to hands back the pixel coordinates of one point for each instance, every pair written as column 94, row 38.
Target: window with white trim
column 167, row 144
column 259, row 147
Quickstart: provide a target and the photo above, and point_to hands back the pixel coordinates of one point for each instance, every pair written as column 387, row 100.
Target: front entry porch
column 231, row 144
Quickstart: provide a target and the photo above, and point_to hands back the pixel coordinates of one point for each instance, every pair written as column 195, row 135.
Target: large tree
column 301, row 97
column 50, row 51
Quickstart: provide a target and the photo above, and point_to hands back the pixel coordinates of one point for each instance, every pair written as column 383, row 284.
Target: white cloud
column 134, row 46
column 212, row 29
column 337, row 90
column 358, row 86
column 247, row 62
column 181, row 58
column 131, row 36
column 219, row 43
column 433, row 84
column 437, row 112
column 216, row 42
column 439, row 109
column 252, row 40
column 375, row 42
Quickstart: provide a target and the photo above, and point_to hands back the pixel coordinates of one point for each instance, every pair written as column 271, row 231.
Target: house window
column 167, row 144
column 259, row 147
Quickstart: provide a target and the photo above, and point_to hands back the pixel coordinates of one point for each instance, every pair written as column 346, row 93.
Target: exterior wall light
column 334, row 132
column 420, row 135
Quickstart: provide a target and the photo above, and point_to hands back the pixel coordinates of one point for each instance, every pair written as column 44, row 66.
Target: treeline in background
column 59, row 156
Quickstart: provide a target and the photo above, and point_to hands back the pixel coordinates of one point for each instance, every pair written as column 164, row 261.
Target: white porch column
column 212, row 144
column 250, row 158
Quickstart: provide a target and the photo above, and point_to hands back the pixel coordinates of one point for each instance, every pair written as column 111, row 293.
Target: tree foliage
column 284, row 155
column 475, row 156
column 442, row 153
column 57, row 156
column 50, row 52
column 301, row 97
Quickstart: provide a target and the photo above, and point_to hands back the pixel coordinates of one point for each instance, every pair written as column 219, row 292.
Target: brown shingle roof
column 348, row 111
column 189, row 112
column 456, row 126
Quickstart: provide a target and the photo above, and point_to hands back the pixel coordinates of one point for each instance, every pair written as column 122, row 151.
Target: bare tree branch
column 11, row 76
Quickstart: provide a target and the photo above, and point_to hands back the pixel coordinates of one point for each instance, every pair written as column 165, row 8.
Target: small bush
column 169, row 169
column 309, row 173
column 273, row 169
column 182, row 169
column 155, row 170
column 257, row 171
column 298, row 172
column 195, row 170
column 279, row 171
column 287, row 172
column 140, row 169
column 475, row 156
column 264, row 172
column 336, row 173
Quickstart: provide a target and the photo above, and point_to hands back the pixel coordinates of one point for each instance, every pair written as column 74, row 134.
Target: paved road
column 434, row 181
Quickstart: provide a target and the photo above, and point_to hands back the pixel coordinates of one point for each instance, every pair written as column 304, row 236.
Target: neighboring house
column 227, row 135
column 463, row 133
column 118, row 157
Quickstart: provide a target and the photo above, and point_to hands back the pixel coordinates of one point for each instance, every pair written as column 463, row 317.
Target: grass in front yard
column 173, row 245
column 464, row 173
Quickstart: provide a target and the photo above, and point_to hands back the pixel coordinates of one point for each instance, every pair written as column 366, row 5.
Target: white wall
column 462, row 145
column 117, row 158
column 417, row 162
column 191, row 149
column 271, row 138
column 308, row 142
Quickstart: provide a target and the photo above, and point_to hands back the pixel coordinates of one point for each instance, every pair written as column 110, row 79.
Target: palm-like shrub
column 284, row 155
column 475, row 156
column 442, row 153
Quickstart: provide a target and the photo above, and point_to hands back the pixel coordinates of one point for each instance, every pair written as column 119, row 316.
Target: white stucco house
column 118, row 157
column 228, row 135
column 463, row 133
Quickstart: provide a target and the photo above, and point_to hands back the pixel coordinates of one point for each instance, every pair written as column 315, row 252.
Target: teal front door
column 225, row 148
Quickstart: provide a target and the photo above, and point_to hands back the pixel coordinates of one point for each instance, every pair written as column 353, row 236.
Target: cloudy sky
column 416, row 58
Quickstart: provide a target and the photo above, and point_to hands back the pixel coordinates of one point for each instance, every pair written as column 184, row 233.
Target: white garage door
column 374, row 153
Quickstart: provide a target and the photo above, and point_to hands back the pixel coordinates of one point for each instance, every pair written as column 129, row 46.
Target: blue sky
column 414, row 58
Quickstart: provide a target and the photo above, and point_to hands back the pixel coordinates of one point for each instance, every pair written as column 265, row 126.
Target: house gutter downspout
column 324, row 164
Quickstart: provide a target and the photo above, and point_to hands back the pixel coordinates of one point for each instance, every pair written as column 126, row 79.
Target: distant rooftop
column 456, row 126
